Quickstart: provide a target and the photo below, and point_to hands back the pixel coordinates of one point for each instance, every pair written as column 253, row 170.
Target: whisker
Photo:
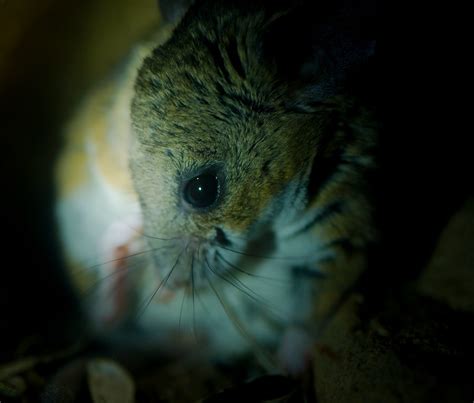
column 140, row 231
column 240, row 270
column 262, row 355
column 240, row 238
column 141, row 311
column 181, row 309
column 97, row 265
column 193, row 293
column 263, row 256
column 114, row 292
column 159, row 238
column 198, row 295
column 137, row 212
column 116, row 272
column 221, row 276
column 239, row 285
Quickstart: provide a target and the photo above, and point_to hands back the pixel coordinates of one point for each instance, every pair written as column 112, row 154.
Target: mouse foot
column 295, row 354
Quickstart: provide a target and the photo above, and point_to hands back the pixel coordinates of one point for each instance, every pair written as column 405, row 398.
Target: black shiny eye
column 202, row 191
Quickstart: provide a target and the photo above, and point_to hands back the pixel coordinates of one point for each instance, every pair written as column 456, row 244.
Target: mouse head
column 229, row 116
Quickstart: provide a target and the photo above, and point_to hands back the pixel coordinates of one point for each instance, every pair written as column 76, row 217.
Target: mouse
column 216, row 188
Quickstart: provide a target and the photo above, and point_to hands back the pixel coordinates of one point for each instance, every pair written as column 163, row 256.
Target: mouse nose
column 221, row 238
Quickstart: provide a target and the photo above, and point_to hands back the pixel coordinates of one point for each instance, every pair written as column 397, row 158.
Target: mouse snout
column 221, row 238
column 185, row 268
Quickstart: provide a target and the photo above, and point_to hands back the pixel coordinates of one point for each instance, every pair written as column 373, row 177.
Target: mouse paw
column 295, row 353
column 120, row 242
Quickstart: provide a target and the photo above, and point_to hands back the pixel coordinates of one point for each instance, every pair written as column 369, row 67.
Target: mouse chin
column 187, row 264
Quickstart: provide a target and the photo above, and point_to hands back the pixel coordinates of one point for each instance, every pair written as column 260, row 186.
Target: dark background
column 51, row 53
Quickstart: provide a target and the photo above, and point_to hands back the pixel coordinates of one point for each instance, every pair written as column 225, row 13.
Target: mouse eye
column 202, row 191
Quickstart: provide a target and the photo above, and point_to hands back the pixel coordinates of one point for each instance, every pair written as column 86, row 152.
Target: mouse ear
column 319, row 49
column 173, row 10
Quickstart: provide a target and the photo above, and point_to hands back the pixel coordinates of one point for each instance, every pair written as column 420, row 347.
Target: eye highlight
column 201, row 191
